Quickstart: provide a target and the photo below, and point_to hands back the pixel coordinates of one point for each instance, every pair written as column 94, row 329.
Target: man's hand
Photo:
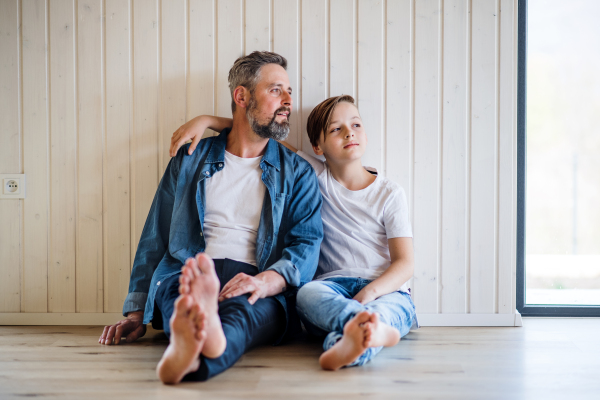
column 265, row 284
column 132, row 327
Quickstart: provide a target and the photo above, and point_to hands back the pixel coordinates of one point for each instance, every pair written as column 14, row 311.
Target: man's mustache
column 281, row 109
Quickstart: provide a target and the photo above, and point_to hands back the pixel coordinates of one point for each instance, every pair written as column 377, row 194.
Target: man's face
column 270, row 105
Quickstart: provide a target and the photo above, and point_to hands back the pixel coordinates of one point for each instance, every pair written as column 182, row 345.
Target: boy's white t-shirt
column 234, row 199
column 357, row 225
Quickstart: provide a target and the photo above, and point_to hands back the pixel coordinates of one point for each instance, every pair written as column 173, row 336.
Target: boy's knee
column 308, row 294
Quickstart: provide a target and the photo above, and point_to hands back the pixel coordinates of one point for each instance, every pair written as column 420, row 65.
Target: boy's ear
column 317, row 150
column 241, row 96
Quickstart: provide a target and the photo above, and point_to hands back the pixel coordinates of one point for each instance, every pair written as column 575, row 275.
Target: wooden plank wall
column 91, row 91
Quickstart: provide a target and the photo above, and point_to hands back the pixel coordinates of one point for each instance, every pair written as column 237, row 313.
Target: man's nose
column 287, row 100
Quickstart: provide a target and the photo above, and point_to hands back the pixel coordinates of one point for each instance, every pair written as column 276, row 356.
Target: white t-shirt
column 357, row 225
column 234, row 199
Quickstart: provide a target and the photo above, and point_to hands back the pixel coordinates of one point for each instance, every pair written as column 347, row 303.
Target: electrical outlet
column 13, row 186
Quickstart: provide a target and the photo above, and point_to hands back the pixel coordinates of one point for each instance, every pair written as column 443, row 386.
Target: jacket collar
column 216, row 153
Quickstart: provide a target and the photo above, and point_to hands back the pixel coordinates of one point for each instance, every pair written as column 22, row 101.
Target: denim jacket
column 289, row 234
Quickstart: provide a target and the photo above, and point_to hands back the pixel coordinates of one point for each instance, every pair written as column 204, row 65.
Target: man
column 244, row 201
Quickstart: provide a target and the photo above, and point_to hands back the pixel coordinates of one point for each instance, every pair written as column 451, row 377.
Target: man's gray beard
column 272, row 130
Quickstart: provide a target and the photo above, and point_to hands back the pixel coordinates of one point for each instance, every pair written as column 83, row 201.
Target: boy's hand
column 366, row 295
column 193, row 129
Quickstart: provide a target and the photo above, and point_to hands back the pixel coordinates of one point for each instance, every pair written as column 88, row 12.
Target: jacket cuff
column 135, row 301
column 288, row 270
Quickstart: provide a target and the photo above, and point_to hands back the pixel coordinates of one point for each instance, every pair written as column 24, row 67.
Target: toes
column 375, row 318
column 182, row 305
column 362, row 317
column 194, row 310
column 205, row 264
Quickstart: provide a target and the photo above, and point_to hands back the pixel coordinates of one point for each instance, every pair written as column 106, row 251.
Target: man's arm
column 151, row 249
column 302, row 241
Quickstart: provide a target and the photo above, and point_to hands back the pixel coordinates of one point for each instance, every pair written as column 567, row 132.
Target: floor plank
column 547, row 358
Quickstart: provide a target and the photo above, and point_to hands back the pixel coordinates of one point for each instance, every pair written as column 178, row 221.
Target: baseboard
column 59, row 318
column 470, row 319
column 111, row 318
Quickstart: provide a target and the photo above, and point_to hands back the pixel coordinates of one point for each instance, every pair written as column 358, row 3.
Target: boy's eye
column 335, row 129
column 357, row 125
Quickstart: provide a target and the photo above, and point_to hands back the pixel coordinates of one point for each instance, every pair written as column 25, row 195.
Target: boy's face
column 345, row 139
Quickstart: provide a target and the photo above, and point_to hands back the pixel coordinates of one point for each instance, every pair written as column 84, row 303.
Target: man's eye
column 275, row 90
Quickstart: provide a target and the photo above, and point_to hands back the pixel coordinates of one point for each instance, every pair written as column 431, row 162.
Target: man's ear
column 241, row 96
column 317, row 150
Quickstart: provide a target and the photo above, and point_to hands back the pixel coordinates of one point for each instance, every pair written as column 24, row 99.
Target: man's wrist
column 274, row 281
column 135, row 315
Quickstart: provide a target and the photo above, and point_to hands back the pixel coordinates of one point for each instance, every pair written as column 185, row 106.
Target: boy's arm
column 398, row 273
column 194, row 129
column 289, row 146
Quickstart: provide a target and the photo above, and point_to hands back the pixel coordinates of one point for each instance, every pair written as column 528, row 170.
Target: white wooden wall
column 91, row 90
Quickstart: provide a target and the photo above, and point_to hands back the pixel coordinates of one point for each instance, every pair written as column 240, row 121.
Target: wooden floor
column 545, row 359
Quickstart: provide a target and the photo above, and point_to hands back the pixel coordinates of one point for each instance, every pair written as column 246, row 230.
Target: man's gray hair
column 246, row 70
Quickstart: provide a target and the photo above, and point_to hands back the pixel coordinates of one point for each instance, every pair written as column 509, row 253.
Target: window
column 558, row 249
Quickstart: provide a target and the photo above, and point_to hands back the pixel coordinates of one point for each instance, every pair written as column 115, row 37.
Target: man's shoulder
column 299, row 164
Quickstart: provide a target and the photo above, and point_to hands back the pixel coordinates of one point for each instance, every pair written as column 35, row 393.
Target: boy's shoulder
column 387, row 187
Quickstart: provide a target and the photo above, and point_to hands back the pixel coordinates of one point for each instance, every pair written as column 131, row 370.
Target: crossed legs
column 355, row 333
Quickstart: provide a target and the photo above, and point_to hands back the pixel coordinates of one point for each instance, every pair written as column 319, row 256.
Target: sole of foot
column 182, row 356
column 204, row 288
column 349, row 347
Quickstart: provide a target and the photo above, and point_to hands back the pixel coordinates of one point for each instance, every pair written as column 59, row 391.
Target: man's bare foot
column 350, row 346
column 182, row 356
column 200, row 277
column 379, row 334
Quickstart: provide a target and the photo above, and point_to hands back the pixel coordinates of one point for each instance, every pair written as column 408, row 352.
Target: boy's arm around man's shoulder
column 302, row 240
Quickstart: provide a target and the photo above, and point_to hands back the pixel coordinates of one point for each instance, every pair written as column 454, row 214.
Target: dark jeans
column 245, row 326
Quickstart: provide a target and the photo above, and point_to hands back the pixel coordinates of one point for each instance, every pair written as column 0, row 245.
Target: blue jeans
column 326, row 306
column 245, row 325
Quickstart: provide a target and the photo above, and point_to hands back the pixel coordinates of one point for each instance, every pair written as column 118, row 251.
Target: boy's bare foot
column 202, row 283
column 380, row 334
column 187, row 338
column 350, row 346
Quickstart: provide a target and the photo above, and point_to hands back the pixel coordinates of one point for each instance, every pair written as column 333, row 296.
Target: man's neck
column 243, row 142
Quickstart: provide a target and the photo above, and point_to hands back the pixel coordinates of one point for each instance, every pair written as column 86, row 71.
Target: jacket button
column 220, row 165
column 158, row 283
column 201, row 234
column 207, row 173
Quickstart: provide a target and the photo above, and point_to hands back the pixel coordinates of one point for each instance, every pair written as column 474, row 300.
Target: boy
column 359, row 301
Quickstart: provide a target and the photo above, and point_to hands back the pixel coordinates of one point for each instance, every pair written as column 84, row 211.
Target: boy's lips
column 351, row 145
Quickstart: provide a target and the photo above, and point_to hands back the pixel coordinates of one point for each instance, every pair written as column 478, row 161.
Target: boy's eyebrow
column 336, row 121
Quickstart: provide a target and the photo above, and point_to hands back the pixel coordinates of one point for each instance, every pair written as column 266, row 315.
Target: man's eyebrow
column 336, row 121
column 280, row 85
